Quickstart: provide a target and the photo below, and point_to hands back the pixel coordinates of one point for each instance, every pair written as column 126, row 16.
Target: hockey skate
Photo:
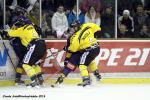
column 86, row 82
column 59, row 81
column 33, row 83
column 97, row 75
column 18, row 81
column 40, row 79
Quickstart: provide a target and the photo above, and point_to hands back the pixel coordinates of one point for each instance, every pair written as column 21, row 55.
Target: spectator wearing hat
column 127, row 20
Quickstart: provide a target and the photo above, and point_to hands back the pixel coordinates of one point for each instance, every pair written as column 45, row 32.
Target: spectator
column 13, row 5
column 59, row 23
column 32, row 3
column 106, row 3
column 127, row 20
column 124, row 33
column 34, row 15
column 9, row 16
column 108, row 22
column 144, row 32
column 48, row 10
column 86, row 4
column 27, row 4
column 147, row 6
column 72, row 16
column 140, row 18
column 92, row 16
column 45, row 28
column 48, row 7
column 14, row 15
column 128, row 4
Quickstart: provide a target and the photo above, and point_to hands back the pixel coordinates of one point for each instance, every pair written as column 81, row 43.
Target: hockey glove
column 65, row 48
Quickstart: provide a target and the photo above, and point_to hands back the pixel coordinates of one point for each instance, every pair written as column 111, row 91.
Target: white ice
column 72, row 92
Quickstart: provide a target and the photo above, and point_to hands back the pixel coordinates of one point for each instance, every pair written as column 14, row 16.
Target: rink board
column 76, row 81
column 120, row 61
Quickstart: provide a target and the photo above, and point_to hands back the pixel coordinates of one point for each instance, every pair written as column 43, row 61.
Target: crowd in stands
column 58, row 15
column 134, row 18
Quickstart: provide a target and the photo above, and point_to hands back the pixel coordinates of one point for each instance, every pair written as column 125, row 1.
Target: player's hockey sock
column 83, row 71
column 29, row 70
column 95, row 71
column 37, row 69
column 93, row 66
column 18, row 80
column 19, row 72
column 32, row 74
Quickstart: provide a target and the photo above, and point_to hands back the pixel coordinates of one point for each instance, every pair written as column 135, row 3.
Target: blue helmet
column 21, row 21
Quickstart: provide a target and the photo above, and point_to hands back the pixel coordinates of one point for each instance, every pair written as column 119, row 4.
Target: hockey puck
column 52, row 86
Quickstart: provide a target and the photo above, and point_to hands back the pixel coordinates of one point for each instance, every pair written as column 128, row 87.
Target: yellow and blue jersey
column 26, row 33
column 83, row 38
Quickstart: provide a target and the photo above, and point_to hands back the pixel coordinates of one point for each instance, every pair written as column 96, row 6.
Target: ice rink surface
column 72, row 92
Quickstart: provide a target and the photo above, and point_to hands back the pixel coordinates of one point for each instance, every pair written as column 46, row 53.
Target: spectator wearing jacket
column 144, row 32
column 59, row 23
column 124, row 32
column 127, row 20
column 92, row 16
column 72, row 16
column 108, row 22
column 140, row 18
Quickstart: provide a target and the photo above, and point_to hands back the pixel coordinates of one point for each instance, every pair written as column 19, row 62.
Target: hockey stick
column 8, row 54
column 49, row 76
column 42, row 61
column 53, row 55
column 55, row 59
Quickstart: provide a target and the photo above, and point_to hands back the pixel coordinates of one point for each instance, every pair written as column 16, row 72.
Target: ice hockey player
column 15, row 42
column 36, row 49
column 19, row 49
column 82, row 48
